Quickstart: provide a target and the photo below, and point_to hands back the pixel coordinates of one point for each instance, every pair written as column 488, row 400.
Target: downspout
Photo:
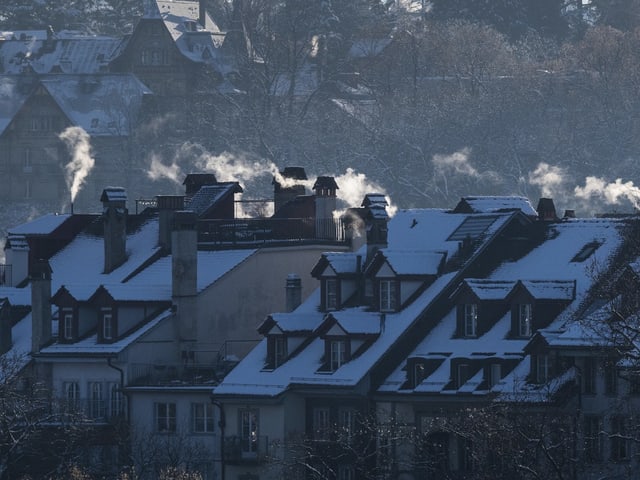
column 222, row 424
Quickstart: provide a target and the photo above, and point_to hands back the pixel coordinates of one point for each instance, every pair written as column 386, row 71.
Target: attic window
column 586, row 251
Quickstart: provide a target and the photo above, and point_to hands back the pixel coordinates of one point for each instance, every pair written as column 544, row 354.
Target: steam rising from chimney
column 228, row 167
column 77, row 170
column 549, row 178
column 457, row 162
column 611, row 193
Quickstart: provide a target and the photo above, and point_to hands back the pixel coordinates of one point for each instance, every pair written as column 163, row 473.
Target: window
column 543, row 368
column 331, row 286
column 463, row 374
column 465, row 454
column 610, row 378
column 165, row 420
column 116, row 400
column 592, row 438
column 470, row 320
column 249, row 431
column 107, row 325
column 67, row 324
column 589, row 375
column 419, row 373
column 525, row 319
column 96, row 404
column 202, row 417
column 388, row 301
column 280, row 350
column 321, row 423
column 347, row 422
column 338, row 352
column 27, row 165
column 495, row 374
column 618, row 439
column 72, row 394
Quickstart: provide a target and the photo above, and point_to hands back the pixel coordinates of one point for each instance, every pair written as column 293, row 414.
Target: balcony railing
column 174, row 374
column 243, row 450
column 5, row 275
column 257, row 231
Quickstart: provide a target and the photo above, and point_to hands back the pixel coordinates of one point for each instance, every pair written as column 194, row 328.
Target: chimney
column 202, row 14
column 569, row 214
column 294, row 292
column 547, row 210
column 5, row 326
column 325, row 191
column 167, row 206
column 40, row 305
column 284, row 194
column 184, row 272
column 376, row 219
column 194, row 181
column 114, row 214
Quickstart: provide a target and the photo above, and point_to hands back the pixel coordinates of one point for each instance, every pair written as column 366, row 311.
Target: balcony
column 245, row 450
column 174, row 374
column 264, row 231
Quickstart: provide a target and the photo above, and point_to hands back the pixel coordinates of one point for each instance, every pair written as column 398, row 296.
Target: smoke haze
column 78, row 143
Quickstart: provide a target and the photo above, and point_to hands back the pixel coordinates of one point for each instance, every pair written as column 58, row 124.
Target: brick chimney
column 325, row 190
column 184, row 272
column 294, row 292
column 114, row 215
column 167, row 206
column 547, row 210
column 40, row 305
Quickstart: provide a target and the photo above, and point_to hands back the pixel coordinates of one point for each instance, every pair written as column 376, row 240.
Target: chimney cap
column 325, row 183
column 371, row 199
column 113, row 194
column 41, row 270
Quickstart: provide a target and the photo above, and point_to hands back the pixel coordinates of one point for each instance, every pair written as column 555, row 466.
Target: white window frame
column 525, row 319
column 470, row 319
column 321, row 423
column 249, row 431
column 96, row 399
column 337, row 353
column 71, row 394
column 165, row 415
column 67, row 329
column 331, row 294
column 279, row 350
column 107, row 325
column 388, row 297
column 202, row 417
column 116, row 399
column 543, row 368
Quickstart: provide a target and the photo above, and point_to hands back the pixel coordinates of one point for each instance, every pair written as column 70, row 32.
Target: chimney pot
column 114, row 201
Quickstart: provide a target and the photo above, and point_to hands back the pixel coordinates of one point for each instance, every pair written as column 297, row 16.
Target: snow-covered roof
column 489, row 289
column 43, row 225
column 103, row 105
column 70, row 54
column 550, row 289
column 490, row 204
column 414, row 263
column 13, row 94
column 208, row 195
column 342, row 263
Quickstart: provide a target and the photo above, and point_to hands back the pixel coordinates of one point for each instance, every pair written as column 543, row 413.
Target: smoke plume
column 158, row 170
column 611, row 193
column 457, row 162
column 550, row 179
column 77, row 170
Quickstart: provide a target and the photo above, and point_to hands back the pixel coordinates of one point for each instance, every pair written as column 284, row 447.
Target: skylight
column 586, row 251
column 472, row 227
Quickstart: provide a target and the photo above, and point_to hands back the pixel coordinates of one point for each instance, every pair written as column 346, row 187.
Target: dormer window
column 471, row 320
column 543, row 368
column 419, row 373
column 279, row 350
column 331, row 294
column 69, row 325
column 107, row 326
column 337, row 353
column 525, row 319
column 388, row 295
column 495, row 374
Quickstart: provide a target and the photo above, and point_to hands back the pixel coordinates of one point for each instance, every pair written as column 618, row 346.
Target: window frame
column 249, row 430
column 525, row 320
column 321, row 423
column 543, row 366
column 337, row 353
column 388, row 294
column 331, row 294
column 96, row 400
column 493, row 379
column 470, row 320
column 108, row 324
column 165, row 417
column 592, row 438
column 202, row 417
column 280, row 350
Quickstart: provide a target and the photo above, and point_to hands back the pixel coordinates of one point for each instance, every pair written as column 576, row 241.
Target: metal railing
column 243, row 450
column 174, row 374
column 252, row 231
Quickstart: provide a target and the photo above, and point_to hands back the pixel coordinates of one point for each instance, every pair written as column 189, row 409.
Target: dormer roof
column 484, row 289
column 547, row 289
column 341, row 263
column 493, row 204
column 208, row 196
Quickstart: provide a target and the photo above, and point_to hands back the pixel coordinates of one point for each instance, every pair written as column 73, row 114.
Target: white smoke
column 457, row 162
column 81, row 164
column 550, row 179
column 611, row 193
column 354, row 186
column 158, row 170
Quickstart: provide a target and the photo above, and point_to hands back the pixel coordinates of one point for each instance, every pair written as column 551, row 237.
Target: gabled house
column 486, row 304
column 132, row 318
